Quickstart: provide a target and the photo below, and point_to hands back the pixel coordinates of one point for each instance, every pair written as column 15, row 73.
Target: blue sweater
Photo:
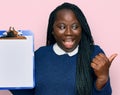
column 55, row 74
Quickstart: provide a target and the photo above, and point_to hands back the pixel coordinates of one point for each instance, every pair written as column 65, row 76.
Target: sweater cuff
column 106, row 90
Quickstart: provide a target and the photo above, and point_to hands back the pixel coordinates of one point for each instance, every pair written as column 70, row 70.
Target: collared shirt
column 60, row 51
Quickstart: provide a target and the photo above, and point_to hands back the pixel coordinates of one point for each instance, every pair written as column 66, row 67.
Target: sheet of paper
column 17, row 63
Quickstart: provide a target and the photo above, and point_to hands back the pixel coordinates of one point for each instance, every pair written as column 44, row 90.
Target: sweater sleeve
column 106, row 90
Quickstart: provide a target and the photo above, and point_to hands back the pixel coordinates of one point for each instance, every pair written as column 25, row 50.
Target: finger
column 94, row 66
column 95, row 60
column 100, row 59
column 103, row 56
column 112, row 57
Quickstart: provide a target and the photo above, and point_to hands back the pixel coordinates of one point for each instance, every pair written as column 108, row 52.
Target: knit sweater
column 55, row 74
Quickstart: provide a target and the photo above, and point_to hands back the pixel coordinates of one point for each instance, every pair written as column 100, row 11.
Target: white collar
column 59, row 51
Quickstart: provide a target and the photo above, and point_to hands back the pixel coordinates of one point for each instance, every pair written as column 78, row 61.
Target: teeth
column 68, row 40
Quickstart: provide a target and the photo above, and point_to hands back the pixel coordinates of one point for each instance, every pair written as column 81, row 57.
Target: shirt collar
column 60, row 51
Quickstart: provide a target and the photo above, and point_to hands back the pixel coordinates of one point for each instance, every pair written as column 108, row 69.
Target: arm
column 101, row 65
column 106, row 90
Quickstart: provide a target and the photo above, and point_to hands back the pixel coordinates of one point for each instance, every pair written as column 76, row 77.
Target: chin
column 69, row 49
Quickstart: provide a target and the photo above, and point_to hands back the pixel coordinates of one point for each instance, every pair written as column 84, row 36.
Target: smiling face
column 67, row 30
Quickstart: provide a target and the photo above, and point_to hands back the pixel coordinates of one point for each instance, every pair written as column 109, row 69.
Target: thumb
column 112, row 57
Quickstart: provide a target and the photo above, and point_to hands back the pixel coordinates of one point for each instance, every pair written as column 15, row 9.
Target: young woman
column 70, row 64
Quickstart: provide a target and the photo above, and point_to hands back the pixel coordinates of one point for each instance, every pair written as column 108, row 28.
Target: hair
column 84, row 79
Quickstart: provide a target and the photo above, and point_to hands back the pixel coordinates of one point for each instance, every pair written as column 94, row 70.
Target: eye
column 61, row 26
column 75, row 26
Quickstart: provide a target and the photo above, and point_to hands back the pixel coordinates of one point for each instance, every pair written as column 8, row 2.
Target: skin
column 67, row 32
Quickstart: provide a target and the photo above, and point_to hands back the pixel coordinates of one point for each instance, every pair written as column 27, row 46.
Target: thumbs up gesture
column 101, row 65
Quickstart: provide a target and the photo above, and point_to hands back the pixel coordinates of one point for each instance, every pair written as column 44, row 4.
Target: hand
column 101, row 65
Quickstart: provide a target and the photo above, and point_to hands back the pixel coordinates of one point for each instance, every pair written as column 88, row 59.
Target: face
column 67, row 30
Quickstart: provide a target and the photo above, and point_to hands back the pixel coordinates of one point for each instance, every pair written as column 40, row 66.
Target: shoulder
column 43, row 52
column 43, row 49
column 97, row 49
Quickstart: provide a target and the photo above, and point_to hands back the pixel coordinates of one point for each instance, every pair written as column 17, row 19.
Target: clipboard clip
column 12, row 34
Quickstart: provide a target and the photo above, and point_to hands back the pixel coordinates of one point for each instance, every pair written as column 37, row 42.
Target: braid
column 83, row 70
column 50, row 38
column 84, row 80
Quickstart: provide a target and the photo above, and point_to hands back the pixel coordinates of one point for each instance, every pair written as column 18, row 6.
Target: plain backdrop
column 103, row 17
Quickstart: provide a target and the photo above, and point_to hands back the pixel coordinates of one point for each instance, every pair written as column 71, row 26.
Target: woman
column 70, row 64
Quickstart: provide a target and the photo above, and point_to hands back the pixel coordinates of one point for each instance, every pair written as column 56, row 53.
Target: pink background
column 103, row 17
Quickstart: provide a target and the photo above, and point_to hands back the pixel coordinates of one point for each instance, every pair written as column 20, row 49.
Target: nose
column 68, row 31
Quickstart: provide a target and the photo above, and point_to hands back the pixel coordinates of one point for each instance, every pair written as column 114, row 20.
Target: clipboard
column 17, row 61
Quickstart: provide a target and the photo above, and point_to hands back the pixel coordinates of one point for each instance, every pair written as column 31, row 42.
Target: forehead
column 65, row 13
column 64, row 10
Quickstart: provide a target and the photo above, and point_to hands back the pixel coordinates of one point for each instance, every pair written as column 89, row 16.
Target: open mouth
column 68, row 43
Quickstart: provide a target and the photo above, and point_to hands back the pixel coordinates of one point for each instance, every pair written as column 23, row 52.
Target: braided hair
column 84, row 79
